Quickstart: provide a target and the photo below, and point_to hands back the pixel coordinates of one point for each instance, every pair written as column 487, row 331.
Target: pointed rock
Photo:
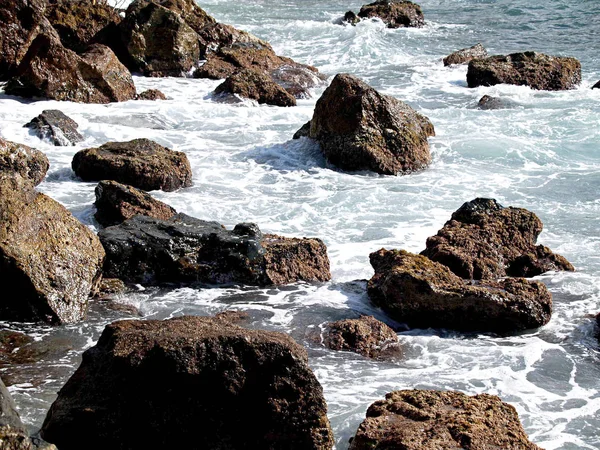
column 56, row 127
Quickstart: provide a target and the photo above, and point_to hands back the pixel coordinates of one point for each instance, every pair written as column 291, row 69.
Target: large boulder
column 51, row 276
column 141, row 163
column 52, row 71
column 463, row 56
column 360, row 129
column 27, row 162
column 394, row 13
column 188, row 250
column 422, row 293
column 116, row 202
column 536, row 70
column 255, row 85
column 56, row 127
column 484, row 240
column 434, row 420
column 190, row 382
column 366, row 336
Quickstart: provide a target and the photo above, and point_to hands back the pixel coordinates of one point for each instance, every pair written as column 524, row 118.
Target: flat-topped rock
column 55, row 126
column 151, row 94
column 27, row 162
column 366, row 336
column 463, row 56
column 394, row 13
column 255, row 85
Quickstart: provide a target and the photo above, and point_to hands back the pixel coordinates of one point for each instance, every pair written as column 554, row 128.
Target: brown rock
column 116, row 202
column 27, row 162
column 110, row 287
column 484, row 240
column 465, row 55
column 366, row 336
column 57, row 127
column 536, row 70
column 488, row 102
column 141, row 163
column 394, row 13
column 434, row 420
column 255, row 85
column 151, row 94
column 13, row 433
column 190, row 382
column 423, row 294
column 189, row 11
column 360, row 129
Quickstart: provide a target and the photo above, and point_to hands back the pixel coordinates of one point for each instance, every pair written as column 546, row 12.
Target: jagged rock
column 488, row 102
column 56, row 127
column 434, row 420
column 536, row 70
column 596, row 86
column 465, row 55
column 141, row 163
column 304, row 131
column 13, row 434
column 151, row 94
column 394, row 13
column 423, row 294
column 189, row 11
column 116, row 202
column 255, row 85
column 360, row 129
column 190, row 382
column 484, row 240
column 25, row 161
column 297, row 79
column 55, row 273
column 187, row 250
column 110, row 287
column 366, row 336
column 52, row 71
column 351, row 18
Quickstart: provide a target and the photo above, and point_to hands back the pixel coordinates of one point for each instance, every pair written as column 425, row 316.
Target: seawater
column 541, row 154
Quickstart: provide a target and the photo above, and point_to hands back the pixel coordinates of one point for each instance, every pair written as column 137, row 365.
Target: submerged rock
column 465, row 55
column 536, row 70
column 190, row 382
column 360, row 129
column 484, row 240
column 13, row 433
column 425, row 294
column 187, row 250
column 488, row 102
column 116, row 202
column 366, row 336
column 151, row 94
column 56, row 127
column 434, row 420
column 351, row 18
column 394, row 13
column 141, row 163
column 19, row 159
column 255, row 85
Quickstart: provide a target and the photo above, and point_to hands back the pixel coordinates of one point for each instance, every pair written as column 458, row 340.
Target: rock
column 141, row 163
column 255, row 85
column 351, row 18
column 189, row 11
column 25, row 161
column 433, row 420
column 425, row 294
column 13, row 434
column 304, row 131
column 366, row 336
column 52, row 71
column 297, row 79
column 233, row 316
column 116, row 202
column 55, row 126
column 188, row 250
column 488, row 102
column 536, row 70
column 596, row 86
column 484, row 240
column 151, row 94
column 110, row 287
column 56, row 272
column 394, row 13
column 360, row 129
column 78, row 22
column 190, row 382
column 465, row 55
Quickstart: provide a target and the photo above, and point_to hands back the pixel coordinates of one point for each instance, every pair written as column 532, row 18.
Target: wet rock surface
column 433, row 420
column 360, row 129
column 55, row 126
column 424, row 294
column 488, row 102
column 24, row 161
column 192, row 382
column 151, row 94
column 13, row 434
column 484, row 240
column 255, row 85
column 536, row 70
column 366, row 336
column 394, row 13
column 463, row 56
column 140, row 163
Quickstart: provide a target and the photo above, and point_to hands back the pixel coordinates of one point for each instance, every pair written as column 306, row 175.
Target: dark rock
column 465, row 55
column 13, row 434
column 488, row 102
column 366, row 336
column 52, row 71
column 56, row 272
column 27, row 162
column 56, row 127
column 596, row 86
column 189, row 11
column 190, row 382
column 297, row 79
column 304, row 131
column 18, row 348
column 141, row 163
column 484, row 240
column 351, row 18
column 536, row 70
column 116, row 202
column 255, row 85
column 422, row 293
column 360, row 129
column 187, row 250
column 233, row 316
column 110, row 287
column 394, row 13
column 434, row 420
column 151, row 94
